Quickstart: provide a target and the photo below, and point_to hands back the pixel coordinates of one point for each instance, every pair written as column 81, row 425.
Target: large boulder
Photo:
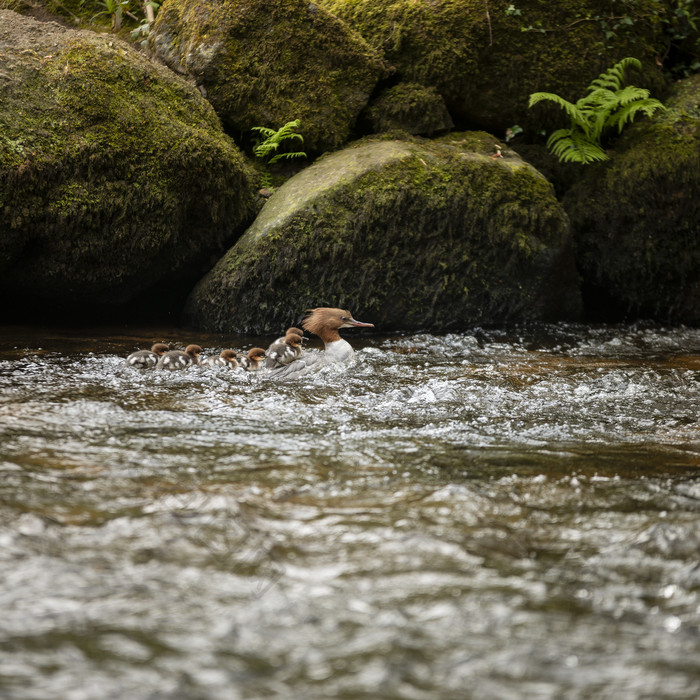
column 409, row 234
column 485, row 58
column 115, row 174
column 636, row 218
column 267, row 62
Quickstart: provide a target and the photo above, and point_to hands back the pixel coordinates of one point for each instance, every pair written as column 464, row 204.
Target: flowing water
column 493, row 515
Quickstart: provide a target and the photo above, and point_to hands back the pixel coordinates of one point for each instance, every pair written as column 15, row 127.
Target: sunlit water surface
column 500, row 515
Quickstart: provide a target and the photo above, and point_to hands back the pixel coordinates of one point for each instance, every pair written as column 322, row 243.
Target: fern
column 267, row 149
column 607, row 105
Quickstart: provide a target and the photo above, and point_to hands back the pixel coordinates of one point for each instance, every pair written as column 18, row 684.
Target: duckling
column 177, row 359
column 227, row 358
column 253, row 361
column 283, row 351
column 146, row 359
column 291, row 329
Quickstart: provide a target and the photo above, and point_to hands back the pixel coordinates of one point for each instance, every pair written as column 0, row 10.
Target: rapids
column 498, row 514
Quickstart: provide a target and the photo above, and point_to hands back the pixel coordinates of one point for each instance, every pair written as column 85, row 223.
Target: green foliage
column 677, row 20
column 607, row 105
column 144, row 27
column 115, row 9
column 266, row 149
column 123, row 13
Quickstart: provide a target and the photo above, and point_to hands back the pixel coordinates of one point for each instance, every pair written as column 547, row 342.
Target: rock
column 636, row 218
column 408, row 107
column 115, row 174
column 268, row 62
column 407, row 234
column 485, row 58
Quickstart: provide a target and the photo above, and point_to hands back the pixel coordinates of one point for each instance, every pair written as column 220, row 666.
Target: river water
column 501, row 514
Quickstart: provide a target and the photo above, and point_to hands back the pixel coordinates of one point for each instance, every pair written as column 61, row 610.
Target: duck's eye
column 343, row 318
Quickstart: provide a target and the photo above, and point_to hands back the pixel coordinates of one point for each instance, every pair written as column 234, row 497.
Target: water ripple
column 515, row 512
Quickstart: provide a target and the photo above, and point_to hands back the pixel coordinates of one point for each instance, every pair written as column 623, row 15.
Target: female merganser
column 325, row 323
column 146, row 359
column 283, row 351
column 227, row 358
column 253, row 361
column 176, row 359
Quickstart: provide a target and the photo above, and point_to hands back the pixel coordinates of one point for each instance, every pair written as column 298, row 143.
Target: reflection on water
column 491, row 515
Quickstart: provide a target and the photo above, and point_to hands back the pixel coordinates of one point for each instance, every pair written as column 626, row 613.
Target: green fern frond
column 279, row 156
column 572, row 110
column 612, row 79
column 628, row 112
column 606, row 105
column 571, row 146
column 264, row 131
column 266, row 149
column 631, row 94
column 274, row 139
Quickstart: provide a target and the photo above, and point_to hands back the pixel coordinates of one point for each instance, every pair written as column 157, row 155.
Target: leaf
column 572, row 146
column 572, row 110
column 267, row 149
column 606, row 105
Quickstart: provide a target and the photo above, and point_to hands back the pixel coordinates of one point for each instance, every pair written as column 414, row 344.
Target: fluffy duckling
column 227, row 358
column 283, row 351
column 253, row 361
column 292, row 329
column 146, row 359
column 177, row 359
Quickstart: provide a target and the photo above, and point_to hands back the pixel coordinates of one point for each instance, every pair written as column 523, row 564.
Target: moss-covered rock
column 408, row 234
column 480, row 59
column 267, row 62
column 115, row 174
column 636, row 218
column 408, row 107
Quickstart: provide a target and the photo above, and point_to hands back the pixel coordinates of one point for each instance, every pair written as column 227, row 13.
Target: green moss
column 114, row 174
column 267, row 63
column 410, row 108
column 478, row 58
column 426, row 236
column 636, row 219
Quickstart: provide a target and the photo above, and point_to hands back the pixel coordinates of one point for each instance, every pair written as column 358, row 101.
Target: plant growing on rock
column 607, row 105
column 267, row 149
column 119, row 10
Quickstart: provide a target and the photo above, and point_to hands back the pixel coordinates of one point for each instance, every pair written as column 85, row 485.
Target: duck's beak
column 359, row 324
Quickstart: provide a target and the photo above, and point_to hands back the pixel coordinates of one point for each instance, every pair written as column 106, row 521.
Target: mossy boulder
column 636, row 218
column 115, row 174
column 479, row 58
column 408, row 107
column 267, row 62
column 409, row 234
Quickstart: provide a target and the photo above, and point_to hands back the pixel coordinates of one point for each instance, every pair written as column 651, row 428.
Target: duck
column 147, row 359
column 292, row 329
column 325, row 322
column 177, row 359
column 283, row 350
column 226, row 358
column 253, row 360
